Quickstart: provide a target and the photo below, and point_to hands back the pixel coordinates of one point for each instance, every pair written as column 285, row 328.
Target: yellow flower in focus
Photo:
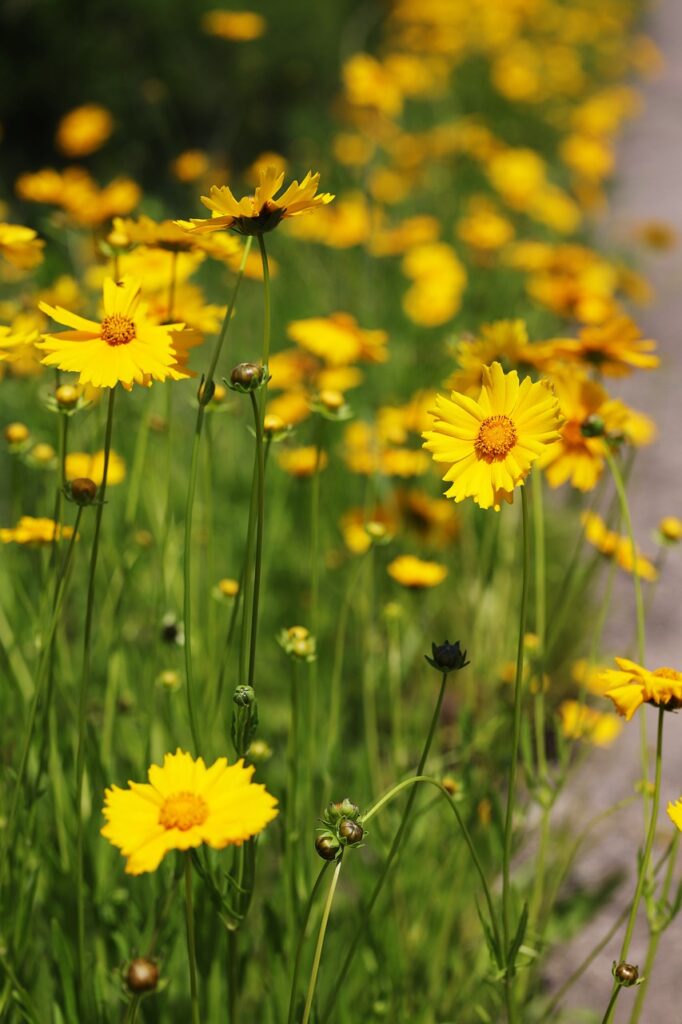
column 81, row 464
column 84, row 130
column 35, row 532
column 304, row 461
column 491, row 443
column 190, row 165
column 237, row 26
column 339, row 340
column 580, row 722
column 184, row 805
column 261, row 212
column 632, row 685
column 21, row 246
column 416, row 574
column 125, row 347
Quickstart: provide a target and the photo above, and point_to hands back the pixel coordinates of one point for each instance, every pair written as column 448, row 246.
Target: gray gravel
column 649, row 187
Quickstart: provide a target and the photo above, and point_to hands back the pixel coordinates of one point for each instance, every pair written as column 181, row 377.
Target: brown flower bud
column 626, row 974
column 83, row 490
column 246, row 376
column 142, row 976
column 327, row 847
column 350, row 831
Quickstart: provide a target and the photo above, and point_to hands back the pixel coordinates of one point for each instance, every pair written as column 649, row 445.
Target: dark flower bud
column 350, row 832
column 83, row 490
column 625, row 974
column 327, row 847
column 172, row 631
column 206, row 392
column 593, row 426
column 447, row 657
column 244, row 696
column 246, row 377
column 142, row 976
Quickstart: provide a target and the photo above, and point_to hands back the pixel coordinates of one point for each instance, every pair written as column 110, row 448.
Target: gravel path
column 649, row 187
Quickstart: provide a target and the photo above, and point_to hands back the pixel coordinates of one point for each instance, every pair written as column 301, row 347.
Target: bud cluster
column 342, row 826
column 298, row 642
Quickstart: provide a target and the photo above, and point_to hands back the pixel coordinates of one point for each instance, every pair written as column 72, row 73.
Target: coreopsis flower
column 82, row 464
column 21, row 246
column 491, row 443
column 615, row 348
column 169, row 237
column 236, row 26
column 617, row 546
column 483, row 227
column 190, row 165
column 670, row 529
column 345, row 224
column 304, row 461
column 503, row 341
column 575, row 456
column 581, row 722
column 355, row 522
column 632, row 685
column 84, row 130
column 35, row 532
column 416, row 573
column 261, row 212
column 439, row 280
column 125, row 347
column 18, row 347
column 184, row 805
column 339, row 340
column 79, row 195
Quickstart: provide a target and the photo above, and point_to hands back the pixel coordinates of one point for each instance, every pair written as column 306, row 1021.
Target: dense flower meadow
column 315, row 492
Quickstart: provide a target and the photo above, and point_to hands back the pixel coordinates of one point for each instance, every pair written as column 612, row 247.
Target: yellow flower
column 20, row 246
column 304, row 461
column 341, row 226
column 261, row 212
column 368, row 83
column 84, row 130
column 615, row 348
column 190, row 165
column 670, row 527
column 580, row 722
column 183, row 805
column 483, row 227
column 632, row 685
column 491, row 443
column 574, row 456
column 355, row 521
column 237, row 26
column 589, row 676
column 503, row 341
column 339, row 340
column 76, row 192
column 18, row 347
column 416, row 574
column 125, row 347
column 616, row 546
column 439, row 281
column 81, row 464
column 35, row 532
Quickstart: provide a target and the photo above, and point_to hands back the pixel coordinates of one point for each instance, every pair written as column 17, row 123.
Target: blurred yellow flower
column 190, row 165
column 483, row 227
column 615, row 348
column 580, row 722
column 490, row 444
column 339, row 340
column 84, row 130
column 81, row 464
column 632, row 685
column 354, row 524
column 184, row 805
column 616, row 546
column 261, row 212
column 304, row 461
column 21, row 246
column 125, row 347
column 670, row 527
column 237, row 26
column 35, row 532
column 415, row 573
column 439, row 281
column 368, row 83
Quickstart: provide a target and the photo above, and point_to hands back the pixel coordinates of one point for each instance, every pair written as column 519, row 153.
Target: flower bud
column 339, row 810
column 244, row 696
column 670, row 529
column 142, row 976
column 447, row 657
column 246, row 377
column 350, row 832
column 43, row 453
column 219, row 393
column 228, row 587
column 67, row 396
column 169, row 679
column 625, row 974
column 83, row 491
column 16, row 433
column 332, row 400
column 327, row 847
column 274, row 425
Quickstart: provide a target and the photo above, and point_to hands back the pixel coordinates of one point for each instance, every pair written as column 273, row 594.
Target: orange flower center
column 496, row 438
column 183, row 811
column 117, row 329
column 667, row 673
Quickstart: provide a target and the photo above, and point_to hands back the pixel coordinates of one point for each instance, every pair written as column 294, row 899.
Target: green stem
column 518, row 700
column 191, row 945
column 540, row 621
column 260, row 502
column 266, row 300
column 203, row 397
column 644, row 863
column 312, row 984
column 83, row 699
column 391, row 856
column 301, row 940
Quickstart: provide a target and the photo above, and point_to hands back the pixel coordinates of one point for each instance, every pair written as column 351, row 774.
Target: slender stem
column 266, row 300
column 518, row 700
column 83, row 698
column 644, row 863
column 320, row 941
column 260, row 502
column 391, row 856
column 540, row 621
column 131, row 1012
column 301, row 940
column 205, row 390
column 191, row 945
